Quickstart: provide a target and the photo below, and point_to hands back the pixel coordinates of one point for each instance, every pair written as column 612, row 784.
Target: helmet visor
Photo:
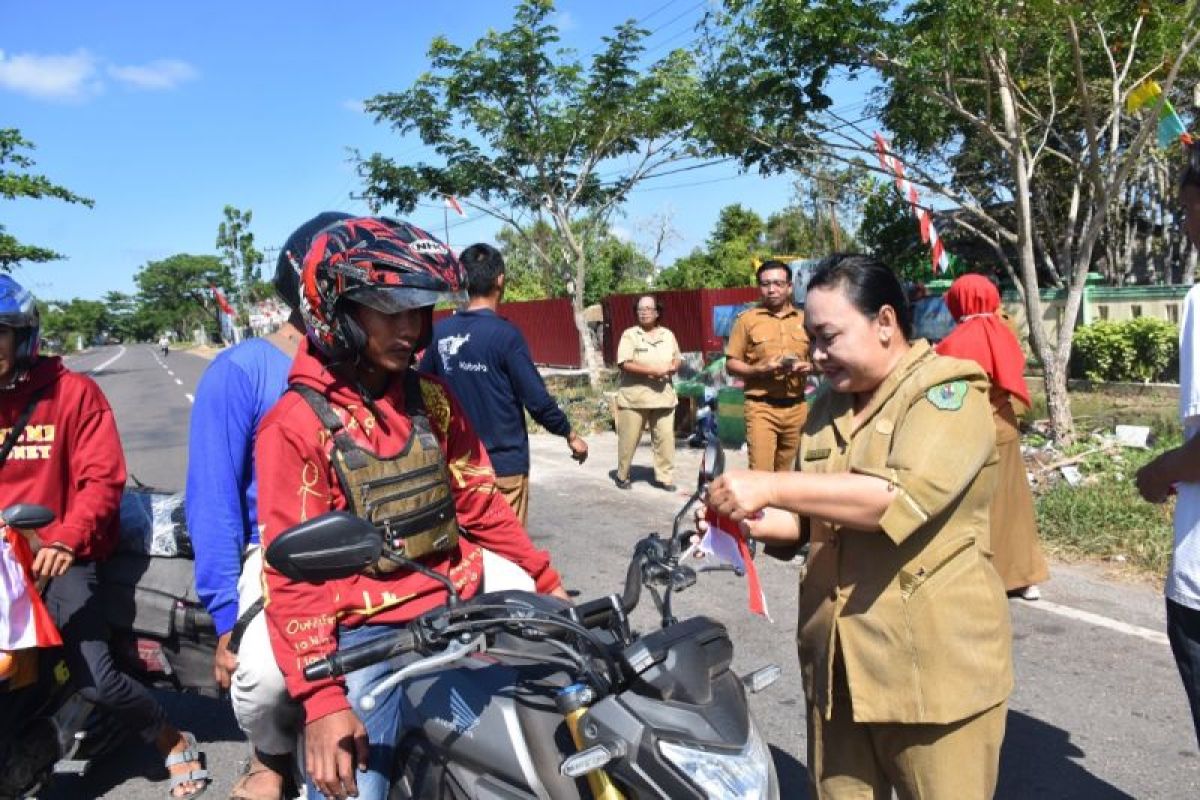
column 394, row 299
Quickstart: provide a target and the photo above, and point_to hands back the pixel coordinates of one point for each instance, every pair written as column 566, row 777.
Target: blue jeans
column 382, row 722
column 1183, row 629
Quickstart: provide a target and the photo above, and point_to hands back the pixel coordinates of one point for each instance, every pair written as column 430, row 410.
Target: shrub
column 1142, row 350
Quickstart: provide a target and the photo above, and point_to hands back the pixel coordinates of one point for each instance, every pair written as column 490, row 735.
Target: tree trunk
column 1056, row 380
column 588, row 350
column 1058, row 400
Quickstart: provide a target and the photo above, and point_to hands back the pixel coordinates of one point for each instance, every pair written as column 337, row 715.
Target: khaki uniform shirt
column 916, row 609
column 757, row 337
column 656, row 347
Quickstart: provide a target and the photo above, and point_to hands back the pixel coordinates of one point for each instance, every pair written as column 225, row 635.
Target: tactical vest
column 407, row 496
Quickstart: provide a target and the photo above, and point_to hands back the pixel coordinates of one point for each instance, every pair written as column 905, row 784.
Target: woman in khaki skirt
column 982, row 336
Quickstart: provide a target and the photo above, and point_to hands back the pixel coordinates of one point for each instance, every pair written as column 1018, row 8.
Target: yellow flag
column 1141, row 94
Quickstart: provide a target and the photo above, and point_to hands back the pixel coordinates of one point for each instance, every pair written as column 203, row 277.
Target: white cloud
column 621, row 233
column 354, row 105
column 52, row 77
column 165, row 73
column 81, row 75
column 563, row 21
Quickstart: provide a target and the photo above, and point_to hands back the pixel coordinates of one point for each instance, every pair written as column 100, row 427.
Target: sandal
column 187, row 755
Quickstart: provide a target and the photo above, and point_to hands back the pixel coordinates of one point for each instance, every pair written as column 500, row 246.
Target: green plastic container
column 731, row 421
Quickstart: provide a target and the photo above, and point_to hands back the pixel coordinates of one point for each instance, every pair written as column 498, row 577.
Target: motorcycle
column 161, row 636
column 518, row 695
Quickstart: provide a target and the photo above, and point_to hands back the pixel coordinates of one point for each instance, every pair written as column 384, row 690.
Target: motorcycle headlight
column 745, row 775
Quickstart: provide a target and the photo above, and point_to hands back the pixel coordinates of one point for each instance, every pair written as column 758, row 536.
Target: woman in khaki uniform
column 904, row 637
column 984, row 337
column 648, row 356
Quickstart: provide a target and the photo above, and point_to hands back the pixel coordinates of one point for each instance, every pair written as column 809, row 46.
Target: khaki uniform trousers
column 515, row 489
column 773, row 434
column 630, row 424
column 850, row 760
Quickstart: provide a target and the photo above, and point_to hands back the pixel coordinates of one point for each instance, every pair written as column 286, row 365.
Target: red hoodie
column 297, row 483
column 68, row 458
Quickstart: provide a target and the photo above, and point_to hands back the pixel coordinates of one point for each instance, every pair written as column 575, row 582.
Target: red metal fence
column 549, row 325
column 687, row 312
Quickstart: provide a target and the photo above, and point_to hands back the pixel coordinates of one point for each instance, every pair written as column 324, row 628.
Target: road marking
column 120, row 353
column 1158, row 637
column 172, row 374
column 190, row 398
column 178, row 382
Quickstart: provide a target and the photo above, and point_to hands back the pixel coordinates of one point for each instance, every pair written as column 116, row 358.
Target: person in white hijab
column 1178, row 471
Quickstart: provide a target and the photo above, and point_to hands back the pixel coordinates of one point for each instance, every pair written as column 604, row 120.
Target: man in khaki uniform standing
column 648, row 356
column 768, row 350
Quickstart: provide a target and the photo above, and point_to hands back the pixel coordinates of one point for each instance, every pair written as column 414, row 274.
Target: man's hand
column 1154, row 479
column 740, row 494
column 579, row 448
column 771, row 366
column 52, row 561
column 334, row 746
column 224, row 662
column 561, row 594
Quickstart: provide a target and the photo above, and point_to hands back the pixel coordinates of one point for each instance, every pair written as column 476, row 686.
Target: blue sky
column 163, row 113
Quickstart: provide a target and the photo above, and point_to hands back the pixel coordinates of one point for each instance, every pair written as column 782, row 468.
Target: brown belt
column 777, row 402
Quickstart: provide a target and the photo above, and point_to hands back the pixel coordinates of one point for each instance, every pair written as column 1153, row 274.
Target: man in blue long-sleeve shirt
column 235, row 393
column 487, row 362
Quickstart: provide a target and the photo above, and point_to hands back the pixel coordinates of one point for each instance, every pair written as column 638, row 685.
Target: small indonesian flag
column 222, row 303
column 24, row 620
column 724, row 542
column 453, row 204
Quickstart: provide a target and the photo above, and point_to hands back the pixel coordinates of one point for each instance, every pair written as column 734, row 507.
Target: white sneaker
column 1031, row 593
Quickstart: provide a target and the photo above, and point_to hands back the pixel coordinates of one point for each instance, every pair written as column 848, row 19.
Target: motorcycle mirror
column 334, row 545
column 27, row 516
column 713, row 463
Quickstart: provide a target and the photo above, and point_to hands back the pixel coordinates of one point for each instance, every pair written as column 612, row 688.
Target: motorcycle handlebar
column 398, row 643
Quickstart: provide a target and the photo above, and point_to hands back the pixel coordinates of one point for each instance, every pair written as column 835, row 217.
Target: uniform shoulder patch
column 948, row 396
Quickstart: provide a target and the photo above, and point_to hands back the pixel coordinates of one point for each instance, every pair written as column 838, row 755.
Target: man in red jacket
column 59, row 448
column 360, row 430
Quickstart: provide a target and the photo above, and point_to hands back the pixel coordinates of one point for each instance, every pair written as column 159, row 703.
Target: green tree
column 175, row 293
column 235, row 240
column 17, row 183
column 614, row 266
column 1010, row 112
column 736, row 242
column 66, row 321
column 525, row 131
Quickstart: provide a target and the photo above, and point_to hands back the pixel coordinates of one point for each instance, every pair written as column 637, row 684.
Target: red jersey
column 296, row 482
column 68, row 458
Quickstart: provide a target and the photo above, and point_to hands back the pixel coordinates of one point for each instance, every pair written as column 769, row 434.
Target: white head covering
column 1189, row 358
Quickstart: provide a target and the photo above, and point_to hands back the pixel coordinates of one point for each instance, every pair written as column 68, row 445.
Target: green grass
column 1105, row 517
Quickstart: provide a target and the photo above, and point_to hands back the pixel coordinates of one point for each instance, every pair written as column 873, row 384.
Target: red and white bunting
column 929, row 235
column 453, row 204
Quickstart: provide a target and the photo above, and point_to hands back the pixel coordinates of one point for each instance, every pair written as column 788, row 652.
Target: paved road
column 1098, row 712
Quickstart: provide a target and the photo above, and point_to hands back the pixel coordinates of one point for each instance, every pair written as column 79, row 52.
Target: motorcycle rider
column 361, row 430
column 235, row 394
column 65, row 454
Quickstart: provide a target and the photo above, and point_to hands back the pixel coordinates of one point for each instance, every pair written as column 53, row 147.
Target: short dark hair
column 484, row 265
column 1191, row 173
column 868, row 283
column 658, row 306
column 773, row 263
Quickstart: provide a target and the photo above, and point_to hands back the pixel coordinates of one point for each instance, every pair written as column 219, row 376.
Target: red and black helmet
column 383, row 263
